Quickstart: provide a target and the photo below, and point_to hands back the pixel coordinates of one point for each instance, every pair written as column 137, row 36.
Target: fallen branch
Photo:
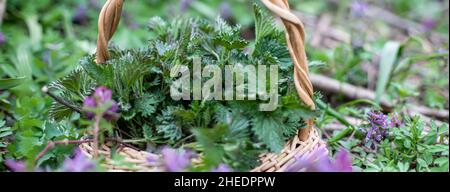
column 404, row 24
column 2, row 10
column 330, row 32
column 411, row 27
column 330, row 85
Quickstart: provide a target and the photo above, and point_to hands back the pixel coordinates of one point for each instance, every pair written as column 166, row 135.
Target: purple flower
column 153, row 159
column 442, row 51
column 111, row 113
column 395, row 121
column 90, row 102
column 101, row 96
column 185, row 4
column 318, row 161
column 379, row 125
column 222, row 168
column 46, row 57
column 80, row 16
column 2, row 38
column 176, row 161
column 343, row 162
column 95, row 4
column 79, row 163
column 225, row 11
column 428, row 24
column 16, row 166
column 358, row 8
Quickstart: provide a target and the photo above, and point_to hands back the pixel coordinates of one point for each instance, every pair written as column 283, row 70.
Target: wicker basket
column 307, row 140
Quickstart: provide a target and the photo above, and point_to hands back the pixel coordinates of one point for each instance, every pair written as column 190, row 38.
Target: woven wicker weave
column 304, row 143
column 136, row 161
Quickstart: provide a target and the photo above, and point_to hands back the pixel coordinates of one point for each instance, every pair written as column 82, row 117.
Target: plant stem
column 52, row 144
column 61, row 101
column 96, row 127
column 183, row 140
column 330, row 111
column 135, row 141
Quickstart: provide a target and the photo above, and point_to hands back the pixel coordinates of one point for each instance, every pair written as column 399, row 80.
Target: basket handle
column 295, row 34
column 107, row 24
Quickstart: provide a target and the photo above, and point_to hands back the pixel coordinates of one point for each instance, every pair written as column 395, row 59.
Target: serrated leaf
column 147, row 105
column 264, row 24
column 270, row 130
column 168, row 127
column 209, row 139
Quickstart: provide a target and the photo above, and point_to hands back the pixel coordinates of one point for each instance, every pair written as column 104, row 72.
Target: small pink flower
column 319, row 161
column 175, row 160
column 79, row 163
column 101, row 96
column 222, row 168
column 428, row 24
column 16, row 166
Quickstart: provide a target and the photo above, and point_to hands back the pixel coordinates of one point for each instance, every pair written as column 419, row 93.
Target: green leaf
column 11, row 83
column 270, row 130
column 5, row 132
column 209, row 140
column 238, row 123
column 168, row 127
column 422, row 163
column 264, row 24
column 147, row 105
column 389, row 57
column 73, row 88
column 441, row 161
column 403, row 167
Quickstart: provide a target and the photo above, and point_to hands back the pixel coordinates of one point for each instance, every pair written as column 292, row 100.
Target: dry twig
column 353, row 92
column 2, row 10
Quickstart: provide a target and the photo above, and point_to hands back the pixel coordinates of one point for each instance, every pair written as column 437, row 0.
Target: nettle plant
column 231, row 132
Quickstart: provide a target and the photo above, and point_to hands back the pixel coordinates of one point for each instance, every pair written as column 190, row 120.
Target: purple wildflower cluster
column 79, row 163
column 358, row 8
column 395, row 120
column 81, row 17
column 179, row 160
column 379, row 127
column 319, row 161
column 185, row 4
column 101, row 97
